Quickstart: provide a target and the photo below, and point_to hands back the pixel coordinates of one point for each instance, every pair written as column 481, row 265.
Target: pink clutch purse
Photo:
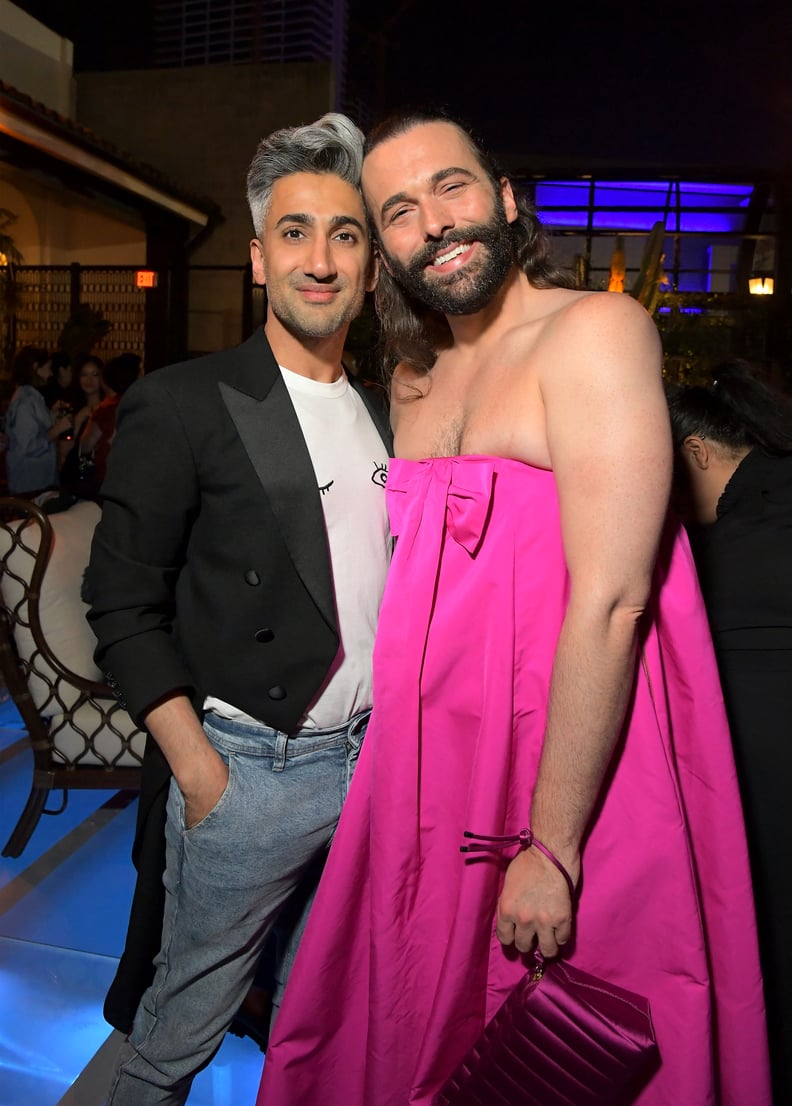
column 561, row 1038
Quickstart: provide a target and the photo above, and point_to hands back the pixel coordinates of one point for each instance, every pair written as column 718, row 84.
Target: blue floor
column 63, row 913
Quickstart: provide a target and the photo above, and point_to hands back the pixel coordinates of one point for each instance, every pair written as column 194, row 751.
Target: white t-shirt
column 351, row 464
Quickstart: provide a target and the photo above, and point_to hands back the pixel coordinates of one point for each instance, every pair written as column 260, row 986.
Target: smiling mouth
column 319, row 291
column 444, row 258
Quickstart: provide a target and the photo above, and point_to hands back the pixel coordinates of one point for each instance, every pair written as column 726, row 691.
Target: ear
column 697, row 451
column 257, row 261
column 381, row 259
column 509, row 202
column 373, row 271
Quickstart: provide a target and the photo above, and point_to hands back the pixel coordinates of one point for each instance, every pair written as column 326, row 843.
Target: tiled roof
column 24, row 106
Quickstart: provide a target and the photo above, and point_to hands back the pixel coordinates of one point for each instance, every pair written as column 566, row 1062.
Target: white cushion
column 105, row 744
column 68, row 634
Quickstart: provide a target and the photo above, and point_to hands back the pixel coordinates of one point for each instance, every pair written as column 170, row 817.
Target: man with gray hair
column 235, row 582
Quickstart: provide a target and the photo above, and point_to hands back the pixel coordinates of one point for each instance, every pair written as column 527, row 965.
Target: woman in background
column 88, row 369
column 61, row 386
column 31, row 428
column 733, row 489
column 99, row 429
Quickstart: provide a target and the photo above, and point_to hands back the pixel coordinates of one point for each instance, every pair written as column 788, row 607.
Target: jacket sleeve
column 150, row 498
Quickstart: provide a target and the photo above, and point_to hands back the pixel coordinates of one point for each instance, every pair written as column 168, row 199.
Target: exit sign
column 145, row 278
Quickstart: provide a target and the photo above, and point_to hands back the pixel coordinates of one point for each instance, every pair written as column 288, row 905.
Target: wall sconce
column 760, row 285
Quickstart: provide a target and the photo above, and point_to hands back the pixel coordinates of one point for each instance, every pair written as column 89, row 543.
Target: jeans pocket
column 216, row 811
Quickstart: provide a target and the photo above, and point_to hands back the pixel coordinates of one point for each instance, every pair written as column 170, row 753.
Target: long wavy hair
column 738, row 410
column 411, row 332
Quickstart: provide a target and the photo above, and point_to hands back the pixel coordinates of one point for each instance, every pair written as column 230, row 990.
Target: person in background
column 61, row 385
column 31, row 427
column 98, row 431
column 90, row 391
column 62, row 395
column 733, row 490
column 88, row 369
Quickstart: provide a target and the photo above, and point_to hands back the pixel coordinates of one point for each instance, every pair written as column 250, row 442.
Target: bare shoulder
column 562, row 326
column 607, row 334
column 601, row 313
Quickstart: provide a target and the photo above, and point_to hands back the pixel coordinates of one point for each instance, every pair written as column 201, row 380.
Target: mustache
column 332, row 284
column 426, row 255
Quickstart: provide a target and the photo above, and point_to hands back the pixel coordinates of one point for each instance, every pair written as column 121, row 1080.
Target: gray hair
column 333, row 144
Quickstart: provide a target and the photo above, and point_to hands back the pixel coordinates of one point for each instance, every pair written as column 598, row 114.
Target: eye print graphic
column 380, row 474
column 325, row 488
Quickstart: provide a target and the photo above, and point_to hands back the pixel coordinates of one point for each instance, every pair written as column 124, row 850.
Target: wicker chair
column 80, row 735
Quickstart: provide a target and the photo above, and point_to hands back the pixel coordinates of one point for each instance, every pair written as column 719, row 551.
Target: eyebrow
column 434, row 180
column 305, row 220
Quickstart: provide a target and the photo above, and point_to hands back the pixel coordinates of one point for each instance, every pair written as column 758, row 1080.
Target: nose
column 320, row 262
column 436, row 218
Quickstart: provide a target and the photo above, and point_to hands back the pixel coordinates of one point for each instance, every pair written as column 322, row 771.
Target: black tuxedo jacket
column 210, row 569
column 210, row 573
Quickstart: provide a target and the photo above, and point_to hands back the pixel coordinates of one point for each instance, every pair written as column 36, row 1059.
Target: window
column 707, row 226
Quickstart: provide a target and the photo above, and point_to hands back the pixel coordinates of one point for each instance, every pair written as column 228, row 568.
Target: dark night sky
column 653, row 81
column 685, row 81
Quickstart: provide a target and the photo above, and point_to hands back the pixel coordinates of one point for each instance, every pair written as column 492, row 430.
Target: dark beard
column 468, row 290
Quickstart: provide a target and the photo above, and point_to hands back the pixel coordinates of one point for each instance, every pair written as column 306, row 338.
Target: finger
column 563, row 933
column 548, row 945
column 525, row 938
column 505, row 932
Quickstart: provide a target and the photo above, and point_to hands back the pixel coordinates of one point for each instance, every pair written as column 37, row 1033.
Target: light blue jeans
column 227, row 880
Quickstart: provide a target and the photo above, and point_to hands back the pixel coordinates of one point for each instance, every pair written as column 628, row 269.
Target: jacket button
column 263, row 636
column 277, row 692
column 252, row 577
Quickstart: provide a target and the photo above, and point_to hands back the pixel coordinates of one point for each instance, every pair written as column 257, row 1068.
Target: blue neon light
column 655, row 198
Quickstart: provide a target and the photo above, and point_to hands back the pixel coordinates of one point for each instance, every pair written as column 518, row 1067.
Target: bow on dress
column 467, row 484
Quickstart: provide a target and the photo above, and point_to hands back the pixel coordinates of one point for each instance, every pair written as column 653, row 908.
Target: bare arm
column 80, row 419
column 62, row 423
column 608, row 437
column 196, row 766
column 89, row 438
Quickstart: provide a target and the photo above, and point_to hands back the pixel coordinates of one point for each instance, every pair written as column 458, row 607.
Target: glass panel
column 637, row 205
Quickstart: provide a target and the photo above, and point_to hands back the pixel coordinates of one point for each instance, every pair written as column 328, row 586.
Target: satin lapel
column 271, row 435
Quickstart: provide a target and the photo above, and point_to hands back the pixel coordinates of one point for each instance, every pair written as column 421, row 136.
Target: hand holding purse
column 563, row 1037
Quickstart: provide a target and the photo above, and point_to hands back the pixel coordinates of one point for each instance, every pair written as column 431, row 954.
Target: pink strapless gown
column 400, row 968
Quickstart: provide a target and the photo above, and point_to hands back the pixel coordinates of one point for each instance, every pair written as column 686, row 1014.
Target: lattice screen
column 44, row 304
column 113, row 292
